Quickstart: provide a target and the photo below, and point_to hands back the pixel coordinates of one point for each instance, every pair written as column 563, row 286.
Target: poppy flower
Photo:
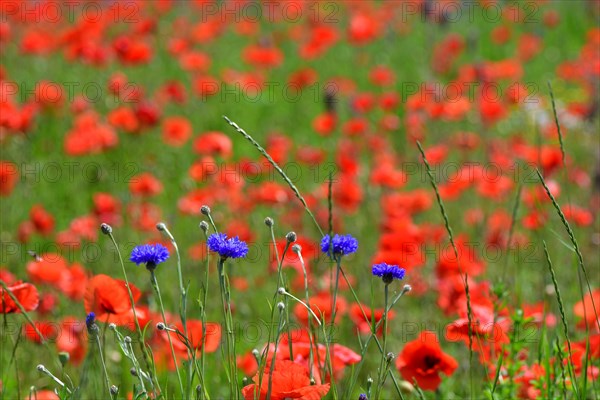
column 423, row 360
column 289, row 380
column 9, row 175
column 176, row 131
column 194, row 335
column 42, row 220
column 73, row 339
column 109, row 300
column 213, row 143
column 321, row 305
column 48, row 268
column 584, row 310
column 25, row 293
column 364, row 325
column 145, row 184
column 49, row 330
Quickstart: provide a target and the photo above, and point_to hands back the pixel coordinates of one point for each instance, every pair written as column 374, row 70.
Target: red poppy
column 42, row 220
column 194, row 335
column 324, row 123
column 176, row 131
column 72, row 339
column 48, row 268
column 109, row 300
column 584, row 310
column 364, row 325
column 25, row 293
column 49, row 330
column 213, row 143
column 322, row 306
column 9, row 175
column 262, row 56
column 145, row 184
column 289, row 380
column 423, row 360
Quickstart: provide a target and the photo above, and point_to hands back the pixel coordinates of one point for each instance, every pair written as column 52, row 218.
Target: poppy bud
column 204, row 226
column 205, row 210
column 106, row 228
column 63, row 357
column 291, row 237
column 269, row 222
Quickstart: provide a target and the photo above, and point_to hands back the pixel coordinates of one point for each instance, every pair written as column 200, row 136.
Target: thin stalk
column 154, row 283
column 147, row 359
column 574, row 241
column 227, row 316
column 106, row 378
column 381, row 377
column 182, row 302
column 563, row 319
column 277, row 168
column 464, row 275
column 272, row 368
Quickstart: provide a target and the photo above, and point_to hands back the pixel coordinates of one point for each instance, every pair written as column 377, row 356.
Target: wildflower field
column 297, row 199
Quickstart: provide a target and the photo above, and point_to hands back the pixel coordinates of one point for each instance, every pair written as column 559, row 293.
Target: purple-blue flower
column 341, row 244
column 227, row 247
column 388, row 272
column 149, row 254
column 90, row 321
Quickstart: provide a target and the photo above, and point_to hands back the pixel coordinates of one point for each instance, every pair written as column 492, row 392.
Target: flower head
column 388, row 272
column 341, row 244
column 227, row 247
column 90, row 322
column 423, row 360
column 150, row 254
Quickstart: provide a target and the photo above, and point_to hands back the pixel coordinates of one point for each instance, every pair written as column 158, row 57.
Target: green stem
column 228, row 319
column 154, row 283
column 147, row 358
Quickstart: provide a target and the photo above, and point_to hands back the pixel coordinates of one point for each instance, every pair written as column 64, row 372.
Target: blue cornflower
column 90, row 321
column 342, row 244
column 149, row 254
column 227, row 248
column 388, row 272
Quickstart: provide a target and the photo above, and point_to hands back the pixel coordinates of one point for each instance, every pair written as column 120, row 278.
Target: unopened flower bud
column 127, row 339
column 269, row 222
column 281, row 290
column 112, row 326
column 296, row 248
column 280, row 306
column 161, row 227
column 204, row 226
column 114, row 390
column 205, row 210
column 160, row 326
column 291, row 237
column 133, row 372
column 106, row 229
column 406, row 289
